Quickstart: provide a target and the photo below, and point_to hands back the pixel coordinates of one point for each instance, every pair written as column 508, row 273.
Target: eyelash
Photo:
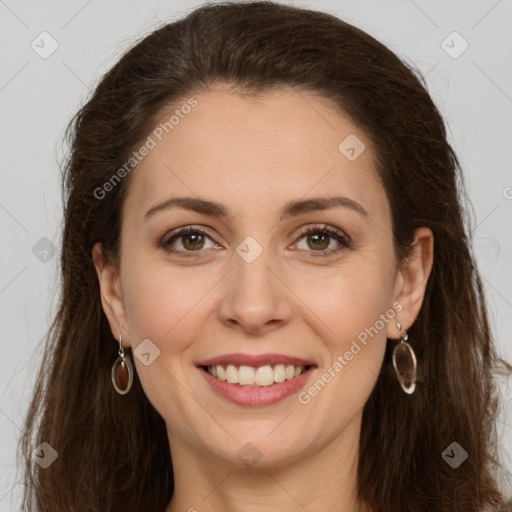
column 335, row 233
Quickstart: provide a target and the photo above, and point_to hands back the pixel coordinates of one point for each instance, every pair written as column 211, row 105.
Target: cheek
column 347, row 311
column 349, row 298
column 352, row 310
column 163, row 305
column 160, row 301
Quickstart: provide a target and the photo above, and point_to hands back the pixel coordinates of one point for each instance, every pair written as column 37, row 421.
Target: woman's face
column 247, row 286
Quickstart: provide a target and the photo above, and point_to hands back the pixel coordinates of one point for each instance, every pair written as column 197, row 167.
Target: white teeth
column 262, row 376
column 246, row 375
column 279, row 374
column 231, row 374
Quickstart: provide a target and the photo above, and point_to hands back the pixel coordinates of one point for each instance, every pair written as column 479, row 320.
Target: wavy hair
column 113, row 451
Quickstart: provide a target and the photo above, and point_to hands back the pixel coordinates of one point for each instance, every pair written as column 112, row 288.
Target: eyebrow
column 290, row 209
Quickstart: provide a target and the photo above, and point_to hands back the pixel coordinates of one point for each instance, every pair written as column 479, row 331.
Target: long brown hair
column 113, row 451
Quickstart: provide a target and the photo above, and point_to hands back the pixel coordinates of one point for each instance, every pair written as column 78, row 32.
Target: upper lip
column 255, row 360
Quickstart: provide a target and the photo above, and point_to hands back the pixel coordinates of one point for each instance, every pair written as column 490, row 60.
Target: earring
column 404, row 361
column 122, row 371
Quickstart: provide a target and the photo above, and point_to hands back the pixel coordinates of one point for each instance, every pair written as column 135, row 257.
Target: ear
column 112, row 300
column 411, row 281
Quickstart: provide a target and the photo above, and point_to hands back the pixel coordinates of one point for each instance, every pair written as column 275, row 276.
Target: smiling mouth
column 261, row 376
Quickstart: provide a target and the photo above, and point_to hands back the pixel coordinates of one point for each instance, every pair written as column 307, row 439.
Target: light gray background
column 38, row 96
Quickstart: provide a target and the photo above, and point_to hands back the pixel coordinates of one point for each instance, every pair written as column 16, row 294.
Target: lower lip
column 261, row 395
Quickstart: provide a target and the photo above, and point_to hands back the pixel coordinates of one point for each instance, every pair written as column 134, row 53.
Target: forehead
column 274, row 148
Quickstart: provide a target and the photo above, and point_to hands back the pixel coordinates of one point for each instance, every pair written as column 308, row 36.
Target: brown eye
column 193, row 241
column 318, row 241
column 323, row 240
column 185, row 241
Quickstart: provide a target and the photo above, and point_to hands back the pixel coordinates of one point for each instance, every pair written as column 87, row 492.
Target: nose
column 255, row 299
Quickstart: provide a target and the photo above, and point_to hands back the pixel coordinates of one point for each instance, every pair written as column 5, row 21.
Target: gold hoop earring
column 122, row 371
column 404, row 361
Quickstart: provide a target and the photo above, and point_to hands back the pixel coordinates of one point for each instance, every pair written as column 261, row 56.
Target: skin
column 254, row 155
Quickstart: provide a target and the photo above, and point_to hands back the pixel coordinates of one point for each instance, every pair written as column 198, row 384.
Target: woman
column 269, row 300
